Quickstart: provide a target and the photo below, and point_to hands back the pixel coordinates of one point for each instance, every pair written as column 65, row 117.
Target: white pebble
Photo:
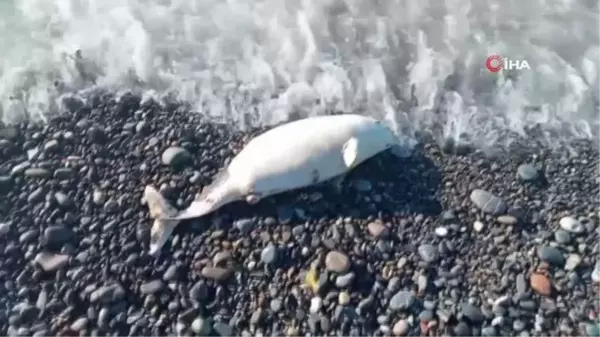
column 596, row 273
column 4, row 228
column 478, row 226
column 343, row 298
column 315, row 305
column 498, row 321
column 441, row 231
column 571, row 224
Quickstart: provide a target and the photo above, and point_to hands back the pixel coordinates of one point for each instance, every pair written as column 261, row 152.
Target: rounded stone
column 441, row 231
column 540, row 284
column 551, row 255
column 400, row 328
column 428, row 252
column 269, row 254
column 4, row 228
column 402, row 300
column 176, row 157
column 571, row 225
column 377, row 229
column 472, row 312
column 338, row 262
column 343, row 298
column 527, row 172
column 487, row 202
column 216, row 273
column 573, row 261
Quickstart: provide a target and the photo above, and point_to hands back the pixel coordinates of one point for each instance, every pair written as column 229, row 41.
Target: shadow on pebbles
column 436, row 244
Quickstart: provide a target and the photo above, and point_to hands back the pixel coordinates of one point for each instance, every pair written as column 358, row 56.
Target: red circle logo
column 494, row 63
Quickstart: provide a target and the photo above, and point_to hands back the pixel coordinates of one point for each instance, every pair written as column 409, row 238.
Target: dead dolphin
column 293, row 155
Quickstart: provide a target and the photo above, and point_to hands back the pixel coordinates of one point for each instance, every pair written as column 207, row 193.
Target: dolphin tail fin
column 159, row 210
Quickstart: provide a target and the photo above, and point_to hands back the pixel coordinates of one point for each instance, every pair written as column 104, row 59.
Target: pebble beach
column 443, row 243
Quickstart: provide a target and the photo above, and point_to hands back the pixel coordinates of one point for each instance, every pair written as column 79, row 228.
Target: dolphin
column 288, row 157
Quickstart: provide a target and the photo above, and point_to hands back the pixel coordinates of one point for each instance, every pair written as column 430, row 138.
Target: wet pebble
column 571, row 225
column 337, row 262
column 527, row 172
column 487, row 202
column 551, row 255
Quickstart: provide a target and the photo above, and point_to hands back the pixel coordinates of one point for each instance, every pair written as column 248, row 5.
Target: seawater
column 417, row 64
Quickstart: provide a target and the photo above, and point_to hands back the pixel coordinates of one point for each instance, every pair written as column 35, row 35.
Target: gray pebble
column 472, row 312
column 527, row 172
column 176, row 157
column 269, row 254
column 57, row 235
column 402, row 300
column 561, row 236
column 151, row 287
column 344, row 281
column 428, row 252
column 551, row 255
column 201, row 326
column 244, row 225
column 487, row 202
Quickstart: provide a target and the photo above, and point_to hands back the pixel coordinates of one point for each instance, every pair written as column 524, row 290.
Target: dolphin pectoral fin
column 350, row 152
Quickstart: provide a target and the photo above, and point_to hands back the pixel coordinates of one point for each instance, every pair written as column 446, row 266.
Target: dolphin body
column 291, row 156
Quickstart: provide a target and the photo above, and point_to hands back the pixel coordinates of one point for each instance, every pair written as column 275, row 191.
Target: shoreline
column 405, row 249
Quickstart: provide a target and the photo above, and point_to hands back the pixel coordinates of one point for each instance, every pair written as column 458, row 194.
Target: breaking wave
column 419, row 64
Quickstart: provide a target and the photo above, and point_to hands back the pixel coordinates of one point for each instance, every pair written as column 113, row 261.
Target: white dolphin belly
column 306, row 152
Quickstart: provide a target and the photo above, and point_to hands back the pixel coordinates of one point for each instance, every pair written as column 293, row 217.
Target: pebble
column 592, row 329
column 478, row 226
column 527, row 172
column 400, row 328
column 428, row 252
column 596, row 272
column 316, row 303
column 344, row 281
column 487, row 202
column 268, row 254
column 216, row 273
column 540, row 284
column 377, row 229
column 176, row 157
column 573, row 261
column 472, row 312
column 151, row 287
column 201, row 326
column 571, row 225
column 338, row 262
column 36, row 172
column 441, row 231
column 244, row 225
column 51, row 262
column 551, row 255
column 402, row 300
column 561, row 236
column 57, row 235
column 507, row 220
column 343, row 298
column 4, row 228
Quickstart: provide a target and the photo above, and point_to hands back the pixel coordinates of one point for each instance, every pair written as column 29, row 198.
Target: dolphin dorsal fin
column 350, row 152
